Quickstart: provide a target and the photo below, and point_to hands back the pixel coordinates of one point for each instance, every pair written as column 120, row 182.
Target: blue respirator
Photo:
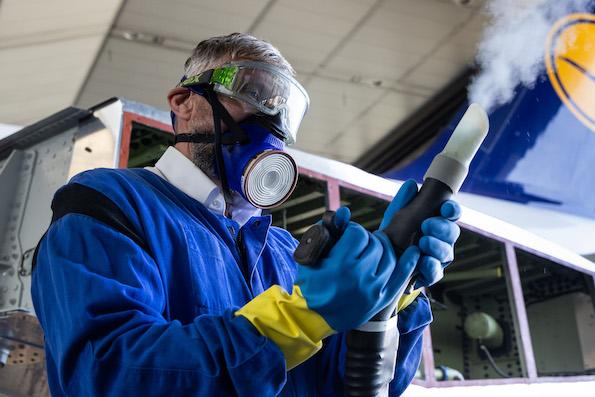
column 259, row 169
column 249, row 157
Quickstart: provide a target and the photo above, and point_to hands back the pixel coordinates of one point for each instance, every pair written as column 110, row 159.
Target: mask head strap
column 218, row 111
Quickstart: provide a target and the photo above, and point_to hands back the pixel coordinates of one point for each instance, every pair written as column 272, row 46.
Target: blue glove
column 358, row 277
column 439, row 235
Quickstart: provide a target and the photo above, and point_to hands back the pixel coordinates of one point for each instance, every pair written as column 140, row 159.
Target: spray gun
column 372, row 348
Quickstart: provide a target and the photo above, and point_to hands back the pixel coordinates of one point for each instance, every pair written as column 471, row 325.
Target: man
column 168, row 281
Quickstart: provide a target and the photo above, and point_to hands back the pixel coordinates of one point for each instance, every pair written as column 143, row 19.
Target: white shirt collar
column 181, row 172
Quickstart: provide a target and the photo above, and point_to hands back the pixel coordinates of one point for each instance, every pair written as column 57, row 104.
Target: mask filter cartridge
column 260, row 170
column 269, row 179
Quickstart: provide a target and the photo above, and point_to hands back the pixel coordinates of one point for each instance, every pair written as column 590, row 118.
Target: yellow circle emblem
column 570, row 64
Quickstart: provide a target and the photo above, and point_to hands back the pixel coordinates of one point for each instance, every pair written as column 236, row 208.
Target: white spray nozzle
column 468, row 135
column 452, row 164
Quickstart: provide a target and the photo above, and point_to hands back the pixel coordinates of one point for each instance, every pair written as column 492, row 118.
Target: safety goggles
column 263, row 87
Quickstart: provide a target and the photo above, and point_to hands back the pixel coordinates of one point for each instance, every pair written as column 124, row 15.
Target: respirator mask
column 250, row 157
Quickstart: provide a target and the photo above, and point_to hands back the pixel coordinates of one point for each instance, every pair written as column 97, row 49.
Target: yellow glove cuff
column 405, row 300
column 287, row 321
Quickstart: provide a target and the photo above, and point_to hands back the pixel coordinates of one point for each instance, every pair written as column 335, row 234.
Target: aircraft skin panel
column 570, row 231
column 539, row 156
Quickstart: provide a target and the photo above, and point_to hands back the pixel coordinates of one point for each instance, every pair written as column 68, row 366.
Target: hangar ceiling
column 46, row 52
column 367, row 64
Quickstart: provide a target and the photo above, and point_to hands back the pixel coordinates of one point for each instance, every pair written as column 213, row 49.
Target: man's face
column 200, row 118
column 203, row 154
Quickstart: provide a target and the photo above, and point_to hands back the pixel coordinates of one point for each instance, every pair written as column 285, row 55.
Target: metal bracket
column 15, row 183
column 27, row 263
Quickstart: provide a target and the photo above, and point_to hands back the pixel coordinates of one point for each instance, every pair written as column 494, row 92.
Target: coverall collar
column 178, row 170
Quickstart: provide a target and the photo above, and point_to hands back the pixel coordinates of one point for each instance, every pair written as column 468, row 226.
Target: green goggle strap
column 223, row 76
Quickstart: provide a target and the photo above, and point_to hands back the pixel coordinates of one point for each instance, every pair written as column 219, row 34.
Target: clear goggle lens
column 263, row 87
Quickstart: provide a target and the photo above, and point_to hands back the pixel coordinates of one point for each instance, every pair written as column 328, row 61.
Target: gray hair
column 215, row 51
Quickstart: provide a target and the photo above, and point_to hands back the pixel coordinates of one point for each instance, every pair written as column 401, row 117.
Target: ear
column 180, row 103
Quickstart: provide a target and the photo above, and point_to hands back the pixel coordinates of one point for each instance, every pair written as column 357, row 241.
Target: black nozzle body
column 370, row 362
column 405, row 227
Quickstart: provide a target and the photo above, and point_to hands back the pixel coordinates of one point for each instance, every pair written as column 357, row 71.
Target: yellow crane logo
column 570, row 64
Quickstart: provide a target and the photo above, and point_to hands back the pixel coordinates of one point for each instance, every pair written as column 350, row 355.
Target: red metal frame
column 428, row 358
column 334, row 197
column 127, row 119
column 362, row 190
column 513, row 277
column 524, row 248
column 516, row 297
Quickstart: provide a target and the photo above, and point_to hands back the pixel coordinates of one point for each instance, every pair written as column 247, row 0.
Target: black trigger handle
column 317, row 241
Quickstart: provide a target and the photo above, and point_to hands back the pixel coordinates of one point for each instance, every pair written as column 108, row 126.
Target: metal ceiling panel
column 388, row 112
column 296, row 44
column 341, row 102
column 440, row 11
column 436, row 73
column 396, row 38
column 313, row 27
column 189, row 20
column 462, row 46
column 33, row 88
column 454, row 54
column 46, row 51
column 401, row 21
column 367, row 129
column 135, row 71
column 33, row 21
column 386, row 38
column 370, row 63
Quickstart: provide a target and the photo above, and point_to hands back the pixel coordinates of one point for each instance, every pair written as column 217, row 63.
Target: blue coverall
column 121, row 320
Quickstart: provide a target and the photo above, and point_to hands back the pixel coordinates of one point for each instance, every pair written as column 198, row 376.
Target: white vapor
column 512, row 49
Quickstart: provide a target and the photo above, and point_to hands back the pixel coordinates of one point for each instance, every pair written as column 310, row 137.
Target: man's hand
column 439, row 235
column 358, row 278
